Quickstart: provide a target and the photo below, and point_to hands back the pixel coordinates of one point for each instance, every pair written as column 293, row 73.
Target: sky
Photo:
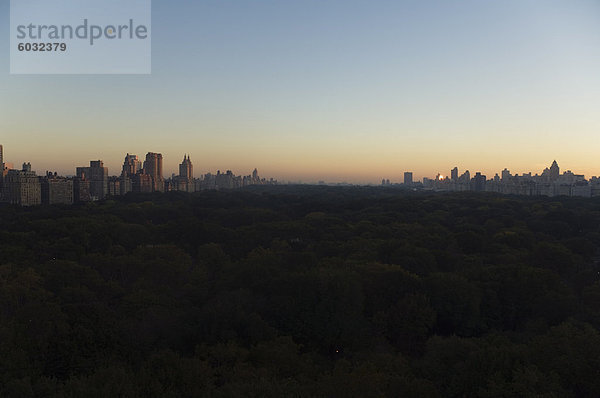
column 334, row 90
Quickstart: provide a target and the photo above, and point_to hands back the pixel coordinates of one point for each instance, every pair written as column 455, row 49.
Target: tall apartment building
column 142, row 183
column 56, row 190
column 1, row 171
column 114, row 186
column 454, row 174
column 3, row 165
column 97, row 175
column 154, row 168
column 408, row 177
column 131, row 167
column 81, row 190
column 22, row 187
column 185, row 180
column 186, row 169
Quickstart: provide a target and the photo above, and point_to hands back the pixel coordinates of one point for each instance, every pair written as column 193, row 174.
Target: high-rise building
column 186, row 169
column 554, row 171
column 22, row 187
column 97, row 175
column 4, row 166
column 454, row 174
column 81, row 190
column 142, row 183
column 478, row 182
column 408, row 178
column 2, row 172
column 56, row 190
column 185, row 181
column 131, row 166
column 114, row 186
column 153, row 168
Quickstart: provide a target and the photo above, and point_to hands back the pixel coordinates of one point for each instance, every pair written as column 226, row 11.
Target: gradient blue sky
column 329, row 90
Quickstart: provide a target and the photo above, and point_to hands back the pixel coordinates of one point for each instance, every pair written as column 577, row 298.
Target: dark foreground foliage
column 302, row 292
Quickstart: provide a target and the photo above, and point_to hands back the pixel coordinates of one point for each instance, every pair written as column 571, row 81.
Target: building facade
column 22, row 187
column 97, row 175
column 154, row 168
column 56, row 189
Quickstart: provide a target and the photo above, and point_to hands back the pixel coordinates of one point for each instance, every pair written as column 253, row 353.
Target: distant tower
column 454, row 174
column 131, row 166
column 478, row 182
column 554, row 171
column 153, row 168
column 97, row 175
column 186, row 169
column 506, row 174
column 408, row 177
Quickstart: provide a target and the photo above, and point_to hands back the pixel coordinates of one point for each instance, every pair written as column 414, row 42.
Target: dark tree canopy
column 302, row 292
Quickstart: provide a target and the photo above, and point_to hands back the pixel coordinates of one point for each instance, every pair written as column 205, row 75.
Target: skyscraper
column 186, row 169
column 131, row 166
column 2, row 170
column 185, row 180
column 478, row 182
column 454, row 174
column 408, row 177
column 153, row 168
column 554, row 171
column 97, row 175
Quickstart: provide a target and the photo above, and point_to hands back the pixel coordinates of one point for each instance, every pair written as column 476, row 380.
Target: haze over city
column 338, row 91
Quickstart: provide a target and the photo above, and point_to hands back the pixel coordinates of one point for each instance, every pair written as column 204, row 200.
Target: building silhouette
column 142, row 183
column 478, row 182
column 56, row 189
column 131, row 167
column 81, row 190
column 97, row 175
column 454, row 174
column 153, row 167
column 185, row 180
column 549, row 183
column 114, row 186
column 408, row 178
column 186, row 169
column 22, row 187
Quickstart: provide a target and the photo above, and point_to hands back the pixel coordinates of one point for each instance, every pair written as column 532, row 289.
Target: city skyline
column 442, row 167
column 153, row 166
column 91, row 183
column 336, row 91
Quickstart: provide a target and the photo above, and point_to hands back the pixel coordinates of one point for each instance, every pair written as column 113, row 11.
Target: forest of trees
column 302, row 292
